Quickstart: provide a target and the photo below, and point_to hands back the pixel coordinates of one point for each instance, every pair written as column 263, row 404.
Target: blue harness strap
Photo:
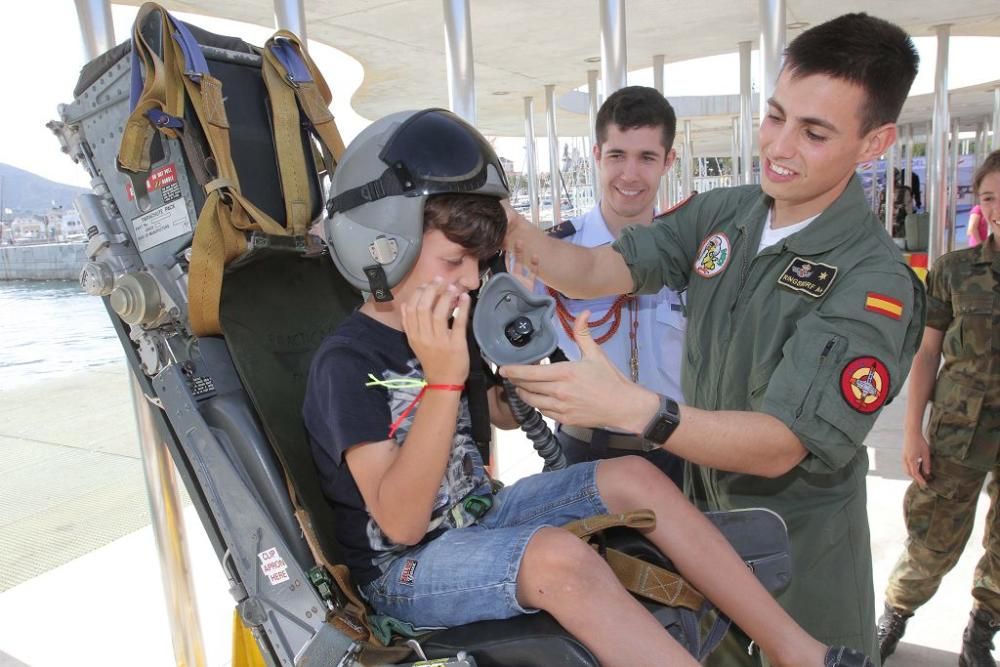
column 136, row 81
column 291, row 60
column 195, row 65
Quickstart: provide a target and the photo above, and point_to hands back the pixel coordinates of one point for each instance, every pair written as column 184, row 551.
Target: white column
column 531, row 162
column 908, row 164
column 592, row 98
column 662, row 195
column 96, row 27
column 890, row 187
column 996, row 119
column 734, row 153
column 746, row 117
column 458, row 53
column 772, row 47
column 687, row 161
column 953, row 183
column 614, row 65
column 550, row 130
column 937, row 153
column 291, row 15
column 982, row 140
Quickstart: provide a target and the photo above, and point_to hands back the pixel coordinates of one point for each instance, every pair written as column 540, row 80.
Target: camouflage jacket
column 963, row 301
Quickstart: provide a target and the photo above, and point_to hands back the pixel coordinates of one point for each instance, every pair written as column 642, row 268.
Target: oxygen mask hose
column 513, row 326
column 541, row 436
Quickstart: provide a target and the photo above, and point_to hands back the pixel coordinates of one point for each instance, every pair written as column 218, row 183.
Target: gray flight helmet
column 375, row 215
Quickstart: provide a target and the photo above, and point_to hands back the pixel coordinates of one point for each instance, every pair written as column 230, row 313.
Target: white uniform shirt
column 661, row 322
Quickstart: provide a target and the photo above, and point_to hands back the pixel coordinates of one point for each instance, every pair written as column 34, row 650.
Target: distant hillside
column 25, row 192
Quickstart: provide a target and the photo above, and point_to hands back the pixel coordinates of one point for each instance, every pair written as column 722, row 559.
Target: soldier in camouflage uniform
column 963, row 436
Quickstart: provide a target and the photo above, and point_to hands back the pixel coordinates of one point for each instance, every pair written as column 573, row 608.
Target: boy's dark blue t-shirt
column 341, row 412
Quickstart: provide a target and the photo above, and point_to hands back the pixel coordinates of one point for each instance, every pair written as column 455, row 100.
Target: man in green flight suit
column 803, row 320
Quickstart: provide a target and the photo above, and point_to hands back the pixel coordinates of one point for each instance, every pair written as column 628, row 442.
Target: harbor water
column 52, row 329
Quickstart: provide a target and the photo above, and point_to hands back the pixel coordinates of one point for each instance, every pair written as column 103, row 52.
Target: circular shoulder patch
column 864, row 384
column 713, row 256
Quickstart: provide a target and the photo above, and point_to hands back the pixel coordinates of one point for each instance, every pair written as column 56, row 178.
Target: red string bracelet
column 409, row 408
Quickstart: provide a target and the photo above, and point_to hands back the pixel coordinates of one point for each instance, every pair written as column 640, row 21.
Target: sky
column 45, row 36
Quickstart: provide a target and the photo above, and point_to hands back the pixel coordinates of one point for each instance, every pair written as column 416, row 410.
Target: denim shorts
column 470, row 574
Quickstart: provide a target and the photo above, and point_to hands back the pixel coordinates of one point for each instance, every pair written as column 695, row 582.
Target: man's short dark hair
column 633, row 107
column 478, row 223
column 864, row 50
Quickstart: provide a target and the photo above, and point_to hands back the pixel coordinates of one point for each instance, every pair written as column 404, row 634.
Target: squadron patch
column 884, row 305
column 812, row 278
column 864, row 384
column 713, row 256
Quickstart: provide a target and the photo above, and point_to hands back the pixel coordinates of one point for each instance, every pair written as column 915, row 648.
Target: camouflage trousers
column 939, row 521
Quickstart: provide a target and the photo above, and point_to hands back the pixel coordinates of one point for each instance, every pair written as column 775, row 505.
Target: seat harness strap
column 160, row 89
column 636, row 575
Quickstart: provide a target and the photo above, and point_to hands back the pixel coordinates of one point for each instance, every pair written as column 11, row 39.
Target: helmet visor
column 431, row 152
column 434, row 151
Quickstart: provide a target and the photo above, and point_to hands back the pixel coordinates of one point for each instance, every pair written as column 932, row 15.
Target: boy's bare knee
column 630, row 482
column 557, row 566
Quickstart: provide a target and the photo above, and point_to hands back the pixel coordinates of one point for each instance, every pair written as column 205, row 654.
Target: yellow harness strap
column 314, row 96
column 636, row 575
column 289, row 149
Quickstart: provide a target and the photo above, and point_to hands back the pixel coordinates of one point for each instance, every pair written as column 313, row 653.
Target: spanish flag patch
column 884, row 305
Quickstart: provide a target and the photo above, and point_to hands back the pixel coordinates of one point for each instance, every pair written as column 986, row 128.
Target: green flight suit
column 963, row 302
column 798, row 332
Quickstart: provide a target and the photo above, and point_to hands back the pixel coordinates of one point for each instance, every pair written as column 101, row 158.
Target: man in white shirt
column 643, row 335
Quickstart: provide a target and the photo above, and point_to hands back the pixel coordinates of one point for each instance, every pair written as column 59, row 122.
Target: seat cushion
column 534, row 640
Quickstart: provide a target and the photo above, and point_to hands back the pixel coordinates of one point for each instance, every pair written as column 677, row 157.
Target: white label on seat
column 273, row 566
column 161, row 224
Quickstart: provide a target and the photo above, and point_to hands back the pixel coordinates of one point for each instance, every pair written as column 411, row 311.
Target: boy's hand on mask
column 441, row 349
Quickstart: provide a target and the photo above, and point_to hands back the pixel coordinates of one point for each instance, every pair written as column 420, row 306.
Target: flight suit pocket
column 974, row 317
column 954, row 415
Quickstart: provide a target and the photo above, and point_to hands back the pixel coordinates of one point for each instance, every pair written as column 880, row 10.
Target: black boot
column 977, row 640
column 891, row 626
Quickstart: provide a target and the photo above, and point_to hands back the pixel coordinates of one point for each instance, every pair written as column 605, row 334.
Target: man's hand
column 589, row 392
column 524, row 270
column 442, row 350
column 515, row 222
column 917, row 457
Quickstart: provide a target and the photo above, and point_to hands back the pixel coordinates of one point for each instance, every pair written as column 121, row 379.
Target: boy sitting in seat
column 416, row 209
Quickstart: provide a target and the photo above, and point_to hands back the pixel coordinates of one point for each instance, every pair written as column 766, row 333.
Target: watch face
column 663, row 424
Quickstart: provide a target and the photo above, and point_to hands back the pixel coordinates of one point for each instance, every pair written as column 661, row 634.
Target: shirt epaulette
column 679, row 204
column 562, row 230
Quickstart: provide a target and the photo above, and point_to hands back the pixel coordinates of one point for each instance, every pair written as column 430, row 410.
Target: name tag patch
column 812, row 278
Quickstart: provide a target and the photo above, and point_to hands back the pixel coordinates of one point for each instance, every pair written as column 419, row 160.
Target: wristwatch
column 663, row 423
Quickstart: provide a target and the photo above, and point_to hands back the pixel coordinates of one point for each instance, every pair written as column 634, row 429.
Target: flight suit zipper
column 744, row 270
column 823, row 357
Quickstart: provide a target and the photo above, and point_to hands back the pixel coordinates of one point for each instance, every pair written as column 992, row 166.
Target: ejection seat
column 227, row 405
